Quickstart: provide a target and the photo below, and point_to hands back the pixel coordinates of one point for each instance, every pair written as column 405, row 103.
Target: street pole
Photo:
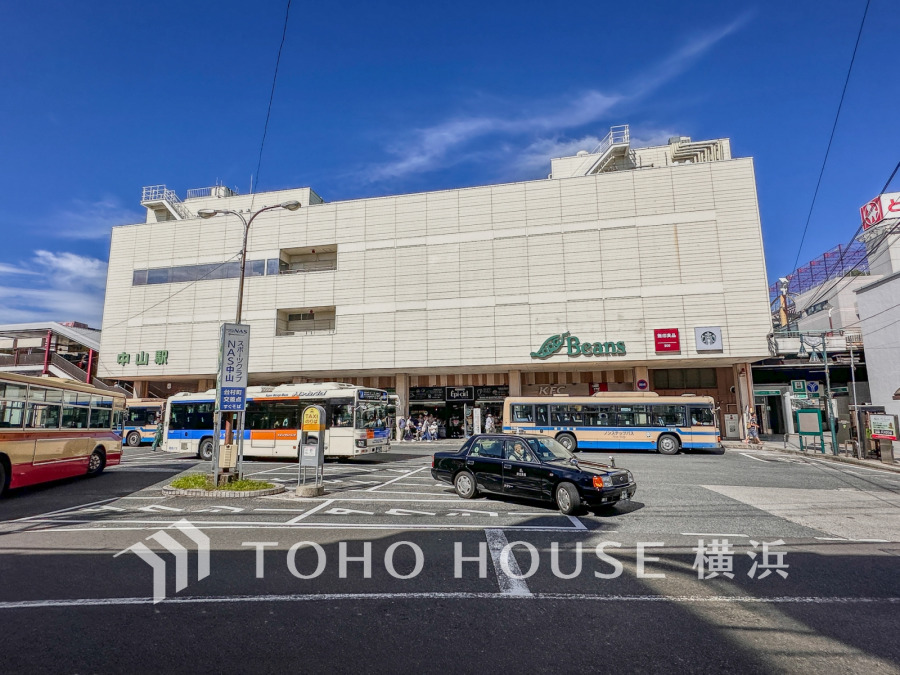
column 230, row 416
column 828, row 396
column 859, row 441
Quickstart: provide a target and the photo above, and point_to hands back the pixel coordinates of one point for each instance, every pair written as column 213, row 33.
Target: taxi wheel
column 465, row 485
column 567, row 499
column 206, row 450
column 568, row 442
column 133, row 439
column 96, row 463
column 668, row 445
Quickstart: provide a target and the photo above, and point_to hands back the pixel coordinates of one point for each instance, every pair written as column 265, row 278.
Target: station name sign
column 575, row 347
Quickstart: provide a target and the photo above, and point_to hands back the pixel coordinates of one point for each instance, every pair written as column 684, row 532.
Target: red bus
column 52, row 428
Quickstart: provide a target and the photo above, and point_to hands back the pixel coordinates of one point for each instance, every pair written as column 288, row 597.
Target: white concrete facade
column 879, row 314
column 459, row 283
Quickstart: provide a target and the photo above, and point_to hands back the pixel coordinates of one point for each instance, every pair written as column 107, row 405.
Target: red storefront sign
column 666, row 340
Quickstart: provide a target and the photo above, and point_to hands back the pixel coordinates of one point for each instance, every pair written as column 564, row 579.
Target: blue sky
column 101, row 98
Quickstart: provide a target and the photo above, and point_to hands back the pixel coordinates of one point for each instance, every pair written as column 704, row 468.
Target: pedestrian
column 489, row 424
column 401, row 428
column 433, row 429
column 158, row 438
column 753, row 431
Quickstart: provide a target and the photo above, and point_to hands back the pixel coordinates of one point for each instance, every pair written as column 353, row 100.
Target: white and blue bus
column 617, row 421
column 356, row 420
column 141, row 416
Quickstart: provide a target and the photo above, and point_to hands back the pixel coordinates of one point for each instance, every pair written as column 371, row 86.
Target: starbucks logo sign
column 708, row 338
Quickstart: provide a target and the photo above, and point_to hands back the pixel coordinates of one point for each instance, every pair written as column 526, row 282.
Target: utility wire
column 845, row 278
column 831, row 138
column 172, row 295
column 271, row 98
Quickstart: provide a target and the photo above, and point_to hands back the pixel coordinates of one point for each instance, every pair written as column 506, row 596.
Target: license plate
column 624, row 497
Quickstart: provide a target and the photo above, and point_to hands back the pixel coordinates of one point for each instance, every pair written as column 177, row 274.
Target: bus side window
column 523, row 413
column 541, row 414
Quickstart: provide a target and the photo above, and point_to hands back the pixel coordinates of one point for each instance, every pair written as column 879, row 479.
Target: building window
column 685, row 378
column 304, row 260
column 305, row 321
column 205, row 272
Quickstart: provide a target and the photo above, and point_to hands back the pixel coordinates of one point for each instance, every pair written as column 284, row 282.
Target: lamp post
column 292, row 205
column 821, row 341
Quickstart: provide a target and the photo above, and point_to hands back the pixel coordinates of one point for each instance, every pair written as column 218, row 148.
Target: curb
column 234, row 494
column 872, row 464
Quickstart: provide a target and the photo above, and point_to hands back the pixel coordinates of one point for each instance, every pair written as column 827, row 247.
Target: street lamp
column 292, row 205
column 209, row 213
column 820, row 341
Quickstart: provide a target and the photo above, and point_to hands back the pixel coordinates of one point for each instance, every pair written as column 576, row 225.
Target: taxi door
column 485, row 460
column 523, row 475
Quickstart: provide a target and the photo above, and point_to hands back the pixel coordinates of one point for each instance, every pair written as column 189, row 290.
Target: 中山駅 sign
column 575, row 347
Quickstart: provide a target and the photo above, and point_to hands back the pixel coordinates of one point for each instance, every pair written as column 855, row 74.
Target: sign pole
column 231, row 396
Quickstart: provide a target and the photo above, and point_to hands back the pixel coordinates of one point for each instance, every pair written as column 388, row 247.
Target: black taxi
column 531, row 468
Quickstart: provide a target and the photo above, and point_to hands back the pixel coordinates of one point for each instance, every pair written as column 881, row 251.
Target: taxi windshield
column 549, row 450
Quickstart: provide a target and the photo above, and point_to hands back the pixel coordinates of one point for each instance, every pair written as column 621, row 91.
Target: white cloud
column 511, row 132
column 538, row 154
column 69, row 287
column 91, row 220
column 13, row 269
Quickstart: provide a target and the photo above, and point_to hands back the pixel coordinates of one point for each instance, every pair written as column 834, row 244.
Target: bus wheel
column 133, row 439
column 96, row 463
column 668, row 445
column 206, row 450
column 568, row 442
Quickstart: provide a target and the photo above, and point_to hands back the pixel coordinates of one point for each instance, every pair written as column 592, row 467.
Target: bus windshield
column 371, row 415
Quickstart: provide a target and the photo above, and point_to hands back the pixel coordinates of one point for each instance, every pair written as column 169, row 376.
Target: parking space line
column 372, row 489
column 578, row 524
column 50, row 513
column 310, row 512
column 509, row 585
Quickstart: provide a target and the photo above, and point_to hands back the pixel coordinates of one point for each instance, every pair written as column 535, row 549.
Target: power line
column 172, row 295
column 871, row 252
column 831, row 138
column 271, row 98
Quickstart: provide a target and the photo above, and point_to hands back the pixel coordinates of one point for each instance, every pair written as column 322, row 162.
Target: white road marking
column 372, row 489
column 158, row 507
column 752, row 457
column 406, row 512
column 282, row 510
column 329, row 597
column 51, row 513
column 509, row 585
column 578, row 524
column 142, row 525
column 220, row 508
column 347, row 512
column 712, row 534
column 310, row 512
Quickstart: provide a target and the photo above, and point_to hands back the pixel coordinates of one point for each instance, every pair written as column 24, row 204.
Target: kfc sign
column 666, row 340
column 883, row 207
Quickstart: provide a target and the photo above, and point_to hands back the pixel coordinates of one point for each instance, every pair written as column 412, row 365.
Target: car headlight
column 630, row 477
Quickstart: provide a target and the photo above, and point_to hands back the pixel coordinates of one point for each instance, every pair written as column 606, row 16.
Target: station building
column 626, row 269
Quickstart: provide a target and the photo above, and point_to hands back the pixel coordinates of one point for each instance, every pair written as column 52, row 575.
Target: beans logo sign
column 575, row 347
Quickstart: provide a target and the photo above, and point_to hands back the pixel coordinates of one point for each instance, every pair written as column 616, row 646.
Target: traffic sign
column 798, row 386
column 814, row 389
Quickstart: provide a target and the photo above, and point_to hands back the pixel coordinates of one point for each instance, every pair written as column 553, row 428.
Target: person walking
column 158, row 438
column 489, row 424
column 753, row 431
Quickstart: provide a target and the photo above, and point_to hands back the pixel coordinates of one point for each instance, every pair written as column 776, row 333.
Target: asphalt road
column 825, row 598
